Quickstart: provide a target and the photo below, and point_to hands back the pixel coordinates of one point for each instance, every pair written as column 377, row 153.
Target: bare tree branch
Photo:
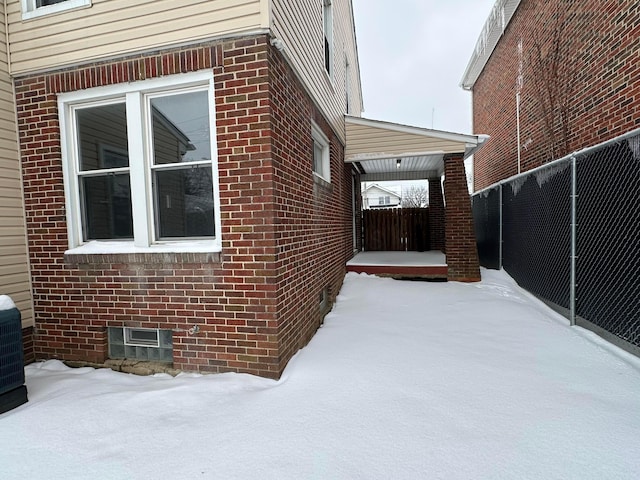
column 553, row 75
column 415, row 196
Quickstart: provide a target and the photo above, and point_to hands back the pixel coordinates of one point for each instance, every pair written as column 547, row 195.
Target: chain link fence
column 569, row 232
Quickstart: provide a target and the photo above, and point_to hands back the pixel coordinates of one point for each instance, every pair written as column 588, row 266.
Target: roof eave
column 495, row 25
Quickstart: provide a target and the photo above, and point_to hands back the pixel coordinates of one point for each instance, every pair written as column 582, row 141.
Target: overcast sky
column 413, row 54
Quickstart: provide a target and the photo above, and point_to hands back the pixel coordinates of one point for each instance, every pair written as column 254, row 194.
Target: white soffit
column 396, row 151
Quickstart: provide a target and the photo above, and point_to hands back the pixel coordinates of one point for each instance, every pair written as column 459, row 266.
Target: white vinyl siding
column 37, row 8
column 300, row 27
column 14, row 264
column 374, row 197
column 110, row 28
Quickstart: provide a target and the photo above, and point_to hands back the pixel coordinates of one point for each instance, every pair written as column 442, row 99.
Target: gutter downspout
column 519, row 82
column 518, row 129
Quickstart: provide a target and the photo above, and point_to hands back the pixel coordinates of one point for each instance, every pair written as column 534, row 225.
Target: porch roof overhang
column 390, row 151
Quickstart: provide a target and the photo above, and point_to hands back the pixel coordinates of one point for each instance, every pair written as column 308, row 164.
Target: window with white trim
column 37, row 8
column 327, row 23
column 321, row 156
column 147, row 344
column 140, row 163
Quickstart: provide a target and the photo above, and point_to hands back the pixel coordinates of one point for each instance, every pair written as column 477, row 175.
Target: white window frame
column 347, row 86
column 321, row 139
column 136, row 96
column 31, row 10
column 129, row 337
column 327, row 37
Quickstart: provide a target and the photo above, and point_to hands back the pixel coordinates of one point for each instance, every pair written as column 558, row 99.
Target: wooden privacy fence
column 396, row 229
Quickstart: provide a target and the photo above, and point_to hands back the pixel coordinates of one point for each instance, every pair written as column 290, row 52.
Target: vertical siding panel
column 14, row 266
column 299, row 26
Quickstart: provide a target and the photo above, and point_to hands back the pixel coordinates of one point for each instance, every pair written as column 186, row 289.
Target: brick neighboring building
column 582, row 54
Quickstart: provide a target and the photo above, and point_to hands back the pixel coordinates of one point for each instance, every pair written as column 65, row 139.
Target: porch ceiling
column 390, row 151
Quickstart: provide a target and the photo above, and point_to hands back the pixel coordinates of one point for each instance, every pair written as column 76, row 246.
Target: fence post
column 572, row 287
column 500, row 223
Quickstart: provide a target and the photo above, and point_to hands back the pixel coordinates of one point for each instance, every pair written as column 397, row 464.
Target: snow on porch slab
column 432, row 258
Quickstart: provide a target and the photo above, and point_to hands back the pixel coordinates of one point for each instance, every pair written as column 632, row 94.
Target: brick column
column 460, row 237
column 436, row 215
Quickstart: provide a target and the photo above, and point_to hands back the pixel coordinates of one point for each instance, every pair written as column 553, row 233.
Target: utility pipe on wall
column 518, row 126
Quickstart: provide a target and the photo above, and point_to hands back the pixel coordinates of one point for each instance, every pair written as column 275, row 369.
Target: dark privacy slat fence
column 396, row 229
column 569, row 232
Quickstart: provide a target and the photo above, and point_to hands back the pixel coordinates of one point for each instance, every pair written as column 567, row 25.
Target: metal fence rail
column 569, row 232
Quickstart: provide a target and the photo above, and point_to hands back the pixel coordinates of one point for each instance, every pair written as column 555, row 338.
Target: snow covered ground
column 406, row 380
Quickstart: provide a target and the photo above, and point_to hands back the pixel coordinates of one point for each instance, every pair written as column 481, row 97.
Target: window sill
column 99, row 252
column 29, row 12
column 321, row 180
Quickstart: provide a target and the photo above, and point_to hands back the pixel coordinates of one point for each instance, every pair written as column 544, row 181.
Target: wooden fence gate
column 396, row 229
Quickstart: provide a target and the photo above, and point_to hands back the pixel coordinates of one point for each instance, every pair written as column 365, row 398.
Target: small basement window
column 324, row 301
column 148, row 344
column 141, row 337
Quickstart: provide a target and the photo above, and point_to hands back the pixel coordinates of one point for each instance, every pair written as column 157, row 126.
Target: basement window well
column 148, row 344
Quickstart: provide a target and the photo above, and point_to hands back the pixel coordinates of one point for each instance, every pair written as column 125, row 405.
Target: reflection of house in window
column 183, row 190
column 169, row 142
column 184, row 201
column 104, row 172
column 120, row 191
column 170, row 145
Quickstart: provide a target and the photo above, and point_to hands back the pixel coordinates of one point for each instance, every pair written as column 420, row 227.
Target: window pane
column 181, row 128
column 184, row 202
column 139, row 336
column 44, row 3
column 107, row 207
column 317, row 158
column 327, row 15
column 102, row 137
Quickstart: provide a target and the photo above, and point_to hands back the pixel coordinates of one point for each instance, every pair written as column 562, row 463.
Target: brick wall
column 27, row 345
column 436, row 215
column 596, row 81
column 460, row 238
column 240, row 299
column 314, row 218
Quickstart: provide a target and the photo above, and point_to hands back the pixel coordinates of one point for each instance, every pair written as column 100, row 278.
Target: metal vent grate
column 12, row 390
column 11, row 361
